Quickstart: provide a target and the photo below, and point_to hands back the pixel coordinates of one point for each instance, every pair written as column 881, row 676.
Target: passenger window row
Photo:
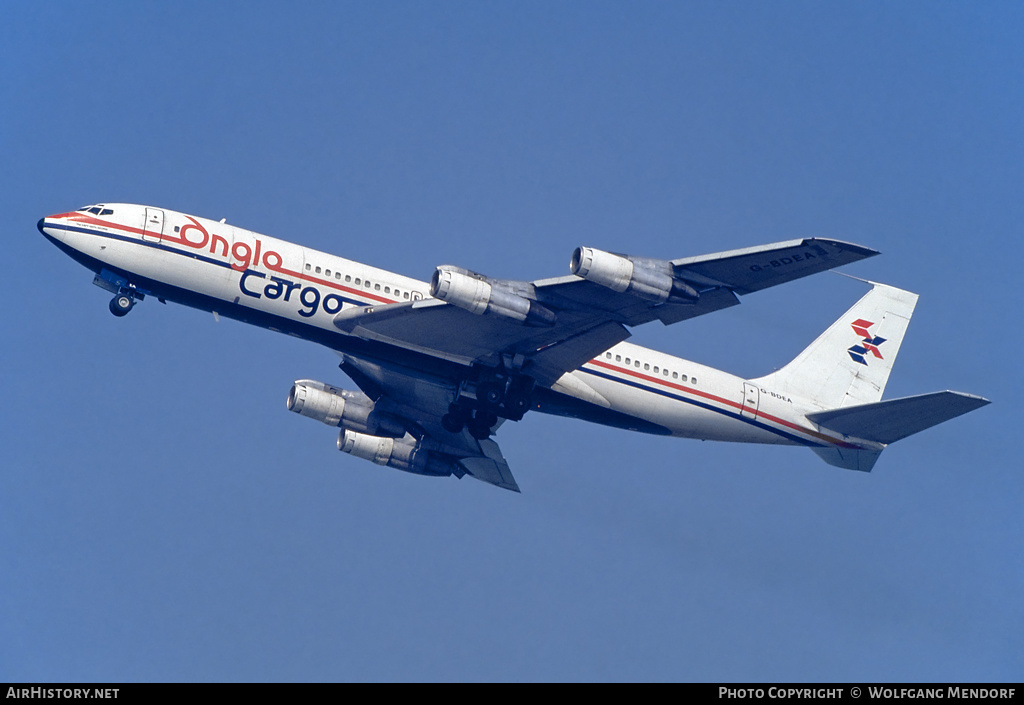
column 328, row 273
column 358, row 281
column 664, row 372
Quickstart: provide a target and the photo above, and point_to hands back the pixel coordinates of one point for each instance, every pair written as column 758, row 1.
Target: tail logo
column 868, row 344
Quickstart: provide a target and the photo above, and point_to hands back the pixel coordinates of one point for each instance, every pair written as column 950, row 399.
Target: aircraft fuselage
column 237, row 273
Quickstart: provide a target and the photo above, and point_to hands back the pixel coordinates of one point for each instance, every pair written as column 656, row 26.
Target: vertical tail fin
column 850, row 362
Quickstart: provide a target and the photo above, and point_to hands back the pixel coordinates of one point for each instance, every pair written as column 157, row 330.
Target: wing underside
column 419, row 403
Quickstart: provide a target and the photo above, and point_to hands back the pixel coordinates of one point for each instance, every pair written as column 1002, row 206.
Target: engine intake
column 649, row 279
column 341, row 407
column 476, row 294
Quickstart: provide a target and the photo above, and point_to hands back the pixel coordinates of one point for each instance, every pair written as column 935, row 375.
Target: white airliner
column 440, row 366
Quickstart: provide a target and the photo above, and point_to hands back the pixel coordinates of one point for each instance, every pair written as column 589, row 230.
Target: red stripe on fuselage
column 88, row 219
column 720, row 400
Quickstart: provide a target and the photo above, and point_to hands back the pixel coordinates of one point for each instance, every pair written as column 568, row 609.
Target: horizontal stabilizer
column 889, row 421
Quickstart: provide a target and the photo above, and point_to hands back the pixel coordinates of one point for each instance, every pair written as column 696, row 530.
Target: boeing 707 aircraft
column 440, row 366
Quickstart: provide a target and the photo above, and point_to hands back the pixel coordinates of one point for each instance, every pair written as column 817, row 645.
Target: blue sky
column 163, row 517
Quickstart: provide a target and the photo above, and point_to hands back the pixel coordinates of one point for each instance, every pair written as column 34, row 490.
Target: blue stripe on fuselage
column 704, row 405
column 193, row 255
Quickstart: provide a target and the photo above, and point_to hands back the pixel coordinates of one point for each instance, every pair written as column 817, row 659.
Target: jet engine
column 647, row 278
column 475, row 293
column 405, row 454
column 341, row 407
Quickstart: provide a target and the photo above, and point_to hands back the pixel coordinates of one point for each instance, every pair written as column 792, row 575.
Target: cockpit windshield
column 97, row 210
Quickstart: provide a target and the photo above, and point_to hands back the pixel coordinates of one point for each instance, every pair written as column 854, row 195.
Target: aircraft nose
column 48, row 227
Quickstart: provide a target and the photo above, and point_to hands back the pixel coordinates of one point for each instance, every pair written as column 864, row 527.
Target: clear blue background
column 163, row 517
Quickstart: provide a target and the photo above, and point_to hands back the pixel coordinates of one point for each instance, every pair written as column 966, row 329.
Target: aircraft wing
column 588, row 317
column 421, row 402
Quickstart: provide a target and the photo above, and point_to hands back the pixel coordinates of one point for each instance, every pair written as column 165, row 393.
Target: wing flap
column 442, row 330
column 491, row 467
column 549, row 364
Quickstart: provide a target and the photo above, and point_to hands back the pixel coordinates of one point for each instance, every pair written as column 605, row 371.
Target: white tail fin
column 849, row 363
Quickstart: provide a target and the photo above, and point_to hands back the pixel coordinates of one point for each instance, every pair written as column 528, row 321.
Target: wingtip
column 861, row 250
column 980, row 401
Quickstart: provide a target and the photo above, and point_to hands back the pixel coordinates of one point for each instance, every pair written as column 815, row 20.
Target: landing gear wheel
column 488, row 393
column 481, row 423
column 121, row 304
column 479, row 432
column 517, row 404
column 452, row 423
column 456, row 418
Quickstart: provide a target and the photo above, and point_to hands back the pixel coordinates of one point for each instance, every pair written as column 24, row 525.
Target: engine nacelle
column 401, row 453
column 648, row 279
column 476, row 294
column 341, row 407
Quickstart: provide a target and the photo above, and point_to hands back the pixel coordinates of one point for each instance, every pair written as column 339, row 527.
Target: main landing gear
column 497, row 394
column 477, row 421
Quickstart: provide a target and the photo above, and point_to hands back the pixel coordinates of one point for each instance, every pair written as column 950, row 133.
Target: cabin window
column 628, row 360
column 656, row 370
column 367, row 283
column 358, row 281
column 636, row 364
column 308, row 266
column 646, row 366
column 317, row 270
column 387, row 290
column 177, row 228
column 618, row 358
column 675, row 375
column 405, row 295
column 684, row 378
column 376, row 287
column 327, row 272
column 348, row 277
column 337, row 275
column 693, row 381
column 608, row 355
column 665, row 372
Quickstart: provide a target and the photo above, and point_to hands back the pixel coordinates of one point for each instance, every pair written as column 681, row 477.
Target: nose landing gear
column 125, row 293
column 122, row 303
